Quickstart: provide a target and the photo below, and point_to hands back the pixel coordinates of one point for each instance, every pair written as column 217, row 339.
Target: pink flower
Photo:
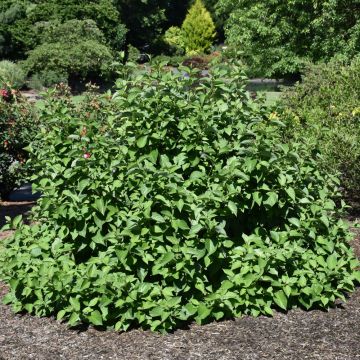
column 87, row 155
column 4, row 93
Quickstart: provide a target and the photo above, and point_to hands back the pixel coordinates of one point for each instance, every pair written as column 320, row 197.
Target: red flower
column 87, row 155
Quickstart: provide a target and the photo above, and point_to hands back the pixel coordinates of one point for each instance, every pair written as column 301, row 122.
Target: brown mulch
column 332, row 335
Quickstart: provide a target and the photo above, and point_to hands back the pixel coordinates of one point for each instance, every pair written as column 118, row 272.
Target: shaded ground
column 333, row 335
column 13, row 209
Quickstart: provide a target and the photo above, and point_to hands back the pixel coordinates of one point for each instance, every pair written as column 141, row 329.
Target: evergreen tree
column 198, row 29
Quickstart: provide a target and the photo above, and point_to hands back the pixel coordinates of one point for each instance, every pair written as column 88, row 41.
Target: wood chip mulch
column 297, row 335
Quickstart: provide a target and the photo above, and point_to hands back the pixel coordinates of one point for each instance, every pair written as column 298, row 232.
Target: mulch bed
column 332, row 335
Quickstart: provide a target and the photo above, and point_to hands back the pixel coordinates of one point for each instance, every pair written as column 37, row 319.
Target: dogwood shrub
column 174, row 200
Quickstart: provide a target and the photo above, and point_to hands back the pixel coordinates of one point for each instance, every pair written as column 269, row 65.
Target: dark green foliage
column 325, row 109
column 278, row 37
column 74, row 49
column 20, row 19
column 218, row 17
column 145, row 20
column 48, row 78
column 11, row 15
column 133, row 54
column 18, row 127
column 174, row 200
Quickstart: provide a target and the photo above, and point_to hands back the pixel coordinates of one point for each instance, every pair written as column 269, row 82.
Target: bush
column 18, row 127
column 81, row 55
column 174, row 200
column 174, row 38
column 47, row 78
column 198, row 30
column 196, row 34
column 325, row 109
column 12, row 74
column 133, row 54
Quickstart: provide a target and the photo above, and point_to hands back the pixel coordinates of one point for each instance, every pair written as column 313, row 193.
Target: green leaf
column 16, row 221
column 332, row 261
column 36, row 252
column 257, row 198
column 96, row 318
column 195, row 229
column 60, row 315
column 157, row 217
column 141, row 142
column 100, row 205
column 203, row 313
column 166, row 258
column 295, row 222
column 291, row 192
column 153, row 156
column 210, row 247
column 83, row 184
column 233, row 208
column 281, row 299
column 272, row 199
column 157, row 311
column 325, row 220
column 181, row 224
column 190, row 308
column 75, row 303
column 74, row 319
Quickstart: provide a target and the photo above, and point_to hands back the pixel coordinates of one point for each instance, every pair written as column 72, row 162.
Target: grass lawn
column 272, row 97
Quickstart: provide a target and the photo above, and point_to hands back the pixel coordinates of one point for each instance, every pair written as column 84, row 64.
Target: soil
column 332, row 335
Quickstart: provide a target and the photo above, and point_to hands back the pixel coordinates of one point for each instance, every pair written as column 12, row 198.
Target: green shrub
column 174, row 61
column 325, row 109
column 174, row 38
column 12, row 74
column 20, row 20
column 196, row 34
column 133, row 54
column 18, row 127
column 174, row 200
column 47, row 78
column 74, row 49
column 198, row 29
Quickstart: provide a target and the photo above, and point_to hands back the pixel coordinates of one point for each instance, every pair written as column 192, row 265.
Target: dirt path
column 297, row 335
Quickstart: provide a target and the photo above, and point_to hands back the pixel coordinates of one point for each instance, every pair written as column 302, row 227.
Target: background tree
column 146, row 21
column 19, row 19
column 278, row 37
column 73, row 50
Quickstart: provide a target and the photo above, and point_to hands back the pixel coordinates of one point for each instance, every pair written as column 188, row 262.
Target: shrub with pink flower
column 4, row 93
column 18, row 126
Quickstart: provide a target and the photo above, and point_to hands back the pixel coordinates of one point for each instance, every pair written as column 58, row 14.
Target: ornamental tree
column 198, row 29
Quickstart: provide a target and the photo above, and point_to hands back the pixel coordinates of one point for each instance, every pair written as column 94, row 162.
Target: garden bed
column 295, row 335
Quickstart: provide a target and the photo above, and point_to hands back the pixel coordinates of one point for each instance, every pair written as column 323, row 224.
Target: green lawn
column 272, row 97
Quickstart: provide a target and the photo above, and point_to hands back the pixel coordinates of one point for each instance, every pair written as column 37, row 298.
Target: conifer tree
column 198, row 29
